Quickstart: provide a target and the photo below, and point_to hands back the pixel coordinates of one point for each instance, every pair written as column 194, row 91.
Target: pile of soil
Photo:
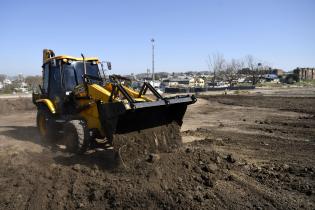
column 191, row 177
column 11, row 105
column 181, row 179
column 162, row 138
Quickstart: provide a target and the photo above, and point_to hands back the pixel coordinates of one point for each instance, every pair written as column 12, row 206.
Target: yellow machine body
column 107, row 107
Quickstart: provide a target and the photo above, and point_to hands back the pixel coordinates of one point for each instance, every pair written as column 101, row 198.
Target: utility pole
column 153, row 76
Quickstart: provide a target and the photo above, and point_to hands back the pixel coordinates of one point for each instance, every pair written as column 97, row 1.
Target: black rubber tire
column 46, row 127
column 77, row 136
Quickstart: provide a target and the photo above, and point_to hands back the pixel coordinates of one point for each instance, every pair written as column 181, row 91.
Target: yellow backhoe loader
column 76, row 102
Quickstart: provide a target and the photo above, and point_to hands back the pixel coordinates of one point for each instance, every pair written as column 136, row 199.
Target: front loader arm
column 98, row 93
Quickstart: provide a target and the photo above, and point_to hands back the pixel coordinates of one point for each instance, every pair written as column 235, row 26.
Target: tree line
column 31, row 81
column 231, row 70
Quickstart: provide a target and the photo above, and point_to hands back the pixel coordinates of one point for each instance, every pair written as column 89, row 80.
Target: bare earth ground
column 254, row 151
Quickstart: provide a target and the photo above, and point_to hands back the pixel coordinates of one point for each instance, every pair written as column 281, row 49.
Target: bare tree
column 230, row 73
column 216, row 64
column 2, row 77
column 33, row 81
column 254, row 68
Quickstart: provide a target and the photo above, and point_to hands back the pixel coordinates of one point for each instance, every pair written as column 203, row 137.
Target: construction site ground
column 254, row 150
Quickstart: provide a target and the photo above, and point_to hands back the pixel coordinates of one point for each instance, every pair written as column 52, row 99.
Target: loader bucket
column 154, row 125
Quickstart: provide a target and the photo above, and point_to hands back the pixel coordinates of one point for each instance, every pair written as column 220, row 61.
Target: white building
column 23, row 87
column 7, row 82
column 155, row 84
column 197, row 82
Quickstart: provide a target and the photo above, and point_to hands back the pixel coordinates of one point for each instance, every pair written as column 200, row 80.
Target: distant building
column 270, row 76
column 181, row 81
column 21, row 87
column 1, row 85
column 247, row 71
column 176, row 82
column 7, row 82
column 155, row 84
column 305, row 73
column 197, row 82
column 218, row 84
column 273, row 78
column 278, row 72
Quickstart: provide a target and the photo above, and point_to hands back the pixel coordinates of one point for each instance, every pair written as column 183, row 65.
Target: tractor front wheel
column 45, row 124
column 77, row 136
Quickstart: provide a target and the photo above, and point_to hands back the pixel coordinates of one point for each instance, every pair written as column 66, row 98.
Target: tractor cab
column 61, row 74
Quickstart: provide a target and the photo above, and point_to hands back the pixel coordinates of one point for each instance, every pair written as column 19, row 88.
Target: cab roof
column 59, row 57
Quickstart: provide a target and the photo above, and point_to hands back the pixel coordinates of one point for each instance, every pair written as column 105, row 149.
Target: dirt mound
column 133, row 147
column 191, row 177
column 11, row 105
column 158, row 139
column 169, row 182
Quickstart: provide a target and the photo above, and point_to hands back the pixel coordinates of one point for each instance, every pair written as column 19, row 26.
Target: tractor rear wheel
column 77, row 136
column 46, row 127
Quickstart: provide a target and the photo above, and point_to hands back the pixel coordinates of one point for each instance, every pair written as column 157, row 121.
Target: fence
column 199, row 89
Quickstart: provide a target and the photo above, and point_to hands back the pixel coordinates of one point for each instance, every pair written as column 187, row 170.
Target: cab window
column 55, row 87
column 69, row 77
column 45, row 78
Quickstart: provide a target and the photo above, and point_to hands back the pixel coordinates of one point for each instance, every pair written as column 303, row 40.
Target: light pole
column 153, row 76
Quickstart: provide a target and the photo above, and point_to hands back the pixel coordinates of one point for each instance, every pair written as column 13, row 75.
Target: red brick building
column 305, row 73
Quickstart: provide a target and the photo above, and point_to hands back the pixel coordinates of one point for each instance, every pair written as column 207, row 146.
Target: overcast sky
column 278, row 32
